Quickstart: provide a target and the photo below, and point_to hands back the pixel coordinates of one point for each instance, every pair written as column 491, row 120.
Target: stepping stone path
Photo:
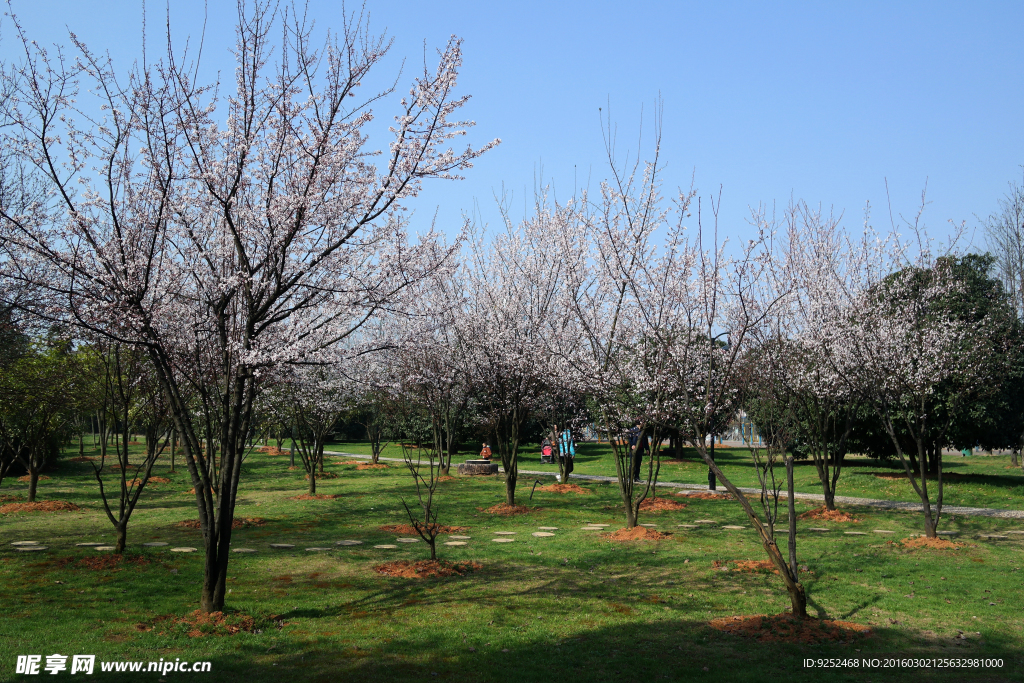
column 316, row 550
column 385, row 546
column 555, row 528
column 855, row 533
column 173, row 550
column 348, row 542
column 242, row 550
column 882, row 531
column 1016, row 533
column 649, row 526
column 502, row 540
column 460, row 538
column 733, row 527
column 109, row 547
column 596, row 524
column 817, row 528
column 94, row 545
column 504, row 533
column 688, row 526
column 24, row 543
column 408, row 540
column 454, row 543
column 282, row 546
column 154, row 544
column 592, row 528
column 704, row 521
column 30, row 548
column 542, row 534
column 994, row 537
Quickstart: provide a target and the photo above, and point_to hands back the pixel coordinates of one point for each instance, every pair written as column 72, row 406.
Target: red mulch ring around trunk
column 27, row 478
column 706, row 495
column 104, row 562
column 159, row 480
column 637, row 533
column 11, row 499
column 324, row 475
column 319, row 496
column 506, row 510
column 44, row 506
column 409, row 530
column 828, row 515
column 660, row 504
column 423, row 568
column 784, row 628
column 271, row 450
column 934, row 543
column 750, row 566
column 192, row 491
column 371, row 466
column 236, row 523
column 565, row 488
column 198, row 624
column 83, row 458
column 445, row 477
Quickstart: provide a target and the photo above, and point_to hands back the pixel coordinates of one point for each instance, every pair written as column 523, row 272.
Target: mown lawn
column 575, row 606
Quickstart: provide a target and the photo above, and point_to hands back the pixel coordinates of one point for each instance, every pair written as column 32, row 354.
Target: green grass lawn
column 575, row 606
column 976, row 481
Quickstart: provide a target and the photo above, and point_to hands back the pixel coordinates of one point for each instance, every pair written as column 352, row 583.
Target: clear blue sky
column 820, row 101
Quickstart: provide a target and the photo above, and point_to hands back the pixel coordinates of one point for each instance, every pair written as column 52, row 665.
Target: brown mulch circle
column 371, row 466
column 159, row 480
column 446, row 477
column 236, row 523
column 423, row 568
column 271, row 450
column 706, row 495
column 83, row 458
column 104, row 562
column 409, row 529
column 506, row 510
column 43, row 506
column 192, row 492
column 660, row 504
column 828, row 515
column 27, row 478
column 751, row 566
column 565, row 488
column 785, row 628
column 199, row 624
column 319, row 496
column 324, row 475
column 11, row 499
column 925, row 542
column 637, row 533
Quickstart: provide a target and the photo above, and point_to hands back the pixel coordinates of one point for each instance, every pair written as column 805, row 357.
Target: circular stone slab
column 242, row 550
column 386, row 546
column 555, row 528
column 30, row 548
column 348, row 542
column 92, row 545
column 315, row 550
column 855, row 533
column 155, row 544
column 22, row 543
column 1016, row 532
column 592, row 528
column 733, row 527
column 502, row 540
column 649, row 526
column 596, row 524
column 994, row 537
column 460, row 538
column 704, row 521
column 688, row 526
column 282, row 546
column 946, row 533
column 408, row 540
column 541, row 534
column 180, row 550
column 105, row 547
column 504, row 533
column 817, row 528
column 882, row 531
column 454, row 543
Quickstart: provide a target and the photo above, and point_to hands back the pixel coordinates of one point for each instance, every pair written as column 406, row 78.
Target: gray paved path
column 846, row 500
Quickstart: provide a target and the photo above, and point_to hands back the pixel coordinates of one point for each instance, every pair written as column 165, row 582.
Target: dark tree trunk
column 33, row 483
column 712, row 483
column 122, row 537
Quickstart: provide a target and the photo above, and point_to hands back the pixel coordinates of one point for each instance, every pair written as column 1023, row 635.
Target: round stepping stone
column 454, row 543
column 946, row 533
column 242, row 550
column 316, row 550
column 460, row 538
column 817, row 528
column 23, row 543
column 180, row 550
column 30, row 548
column 733, row 527
column 105, row 547
column 649, row 526
column 688, row 526
column 93, row 545
column 596, row 524
column 1016, row 533
column 855, row 533
column 348, row 542
column 555, row 528
column 882, row 531
column 704, row 521
column 155, row 544
column 542, row 534
column 504, row 533
column 385, row 546
column 502, row 540
column 994, row 537
column 282, row 546
column 592, row 528
column 408, row 540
